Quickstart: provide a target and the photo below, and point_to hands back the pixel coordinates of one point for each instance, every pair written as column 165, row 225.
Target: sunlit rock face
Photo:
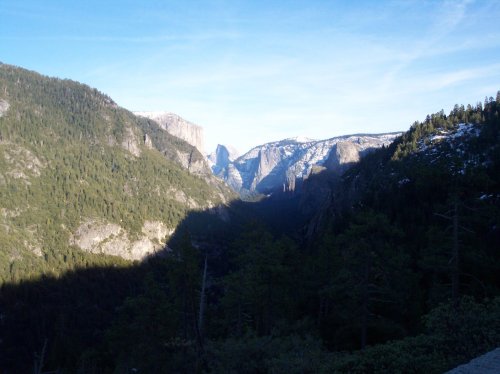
column 280, row 165
column 179, row 127
column 222, row 157
column 101, row 237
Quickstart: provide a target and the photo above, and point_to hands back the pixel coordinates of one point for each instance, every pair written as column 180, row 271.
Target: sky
column 255, row 71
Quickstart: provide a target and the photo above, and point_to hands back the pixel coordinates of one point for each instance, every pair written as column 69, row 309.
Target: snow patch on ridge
column 301, row 139
column 273, row 165
column 448, row 137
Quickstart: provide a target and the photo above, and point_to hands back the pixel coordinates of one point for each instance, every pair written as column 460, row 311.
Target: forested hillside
column 409, row 228
column 396, row 272
column 72, row 160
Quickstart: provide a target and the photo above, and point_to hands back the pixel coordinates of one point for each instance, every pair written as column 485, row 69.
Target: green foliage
column 466, row 330
column 369, row 285
column 420, row 354
column 453, row 337
column 145, row 333
column 268, row 354
column 259, row 291
column 64, row 159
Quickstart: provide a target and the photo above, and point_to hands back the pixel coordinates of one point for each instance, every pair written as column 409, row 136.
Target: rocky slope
column 178, row 126
column 283, row 164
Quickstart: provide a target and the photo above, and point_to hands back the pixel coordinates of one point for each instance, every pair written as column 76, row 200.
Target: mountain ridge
column 75, row 167
column 280, row 164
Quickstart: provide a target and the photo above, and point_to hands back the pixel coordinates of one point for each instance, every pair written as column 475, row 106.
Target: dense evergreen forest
column 398, row 272
column 69, row 153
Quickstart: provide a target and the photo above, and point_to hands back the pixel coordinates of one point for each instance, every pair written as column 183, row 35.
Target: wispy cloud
column 444, row 21
column 250, row 72
column 448, row 79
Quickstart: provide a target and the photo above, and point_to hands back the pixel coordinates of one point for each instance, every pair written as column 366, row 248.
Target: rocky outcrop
column 101, row 237
column 29, row 235
column 179, row 127
column 194, row 163
column 290, row 182
column 130, row 142
column 181, row 197
column 20, row 162
column 148, row 142
column 4, row 106
column 343, row 153
column 346, row 153
column 284, row 164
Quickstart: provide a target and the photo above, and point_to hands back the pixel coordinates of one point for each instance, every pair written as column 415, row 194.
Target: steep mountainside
column 399, row 273
column 462, row 148
column 437, row 188
column 179, row 127
column 280, row 165
column 81, row 176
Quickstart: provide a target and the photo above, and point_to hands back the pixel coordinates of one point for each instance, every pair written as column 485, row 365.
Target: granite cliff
column 283, row 164
column 178, row 126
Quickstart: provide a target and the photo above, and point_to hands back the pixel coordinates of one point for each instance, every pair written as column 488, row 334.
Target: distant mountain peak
column 277, row 165
column 232, row 151
column 222, row 157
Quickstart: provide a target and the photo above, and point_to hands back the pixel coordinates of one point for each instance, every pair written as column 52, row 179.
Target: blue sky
column 255, row 71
